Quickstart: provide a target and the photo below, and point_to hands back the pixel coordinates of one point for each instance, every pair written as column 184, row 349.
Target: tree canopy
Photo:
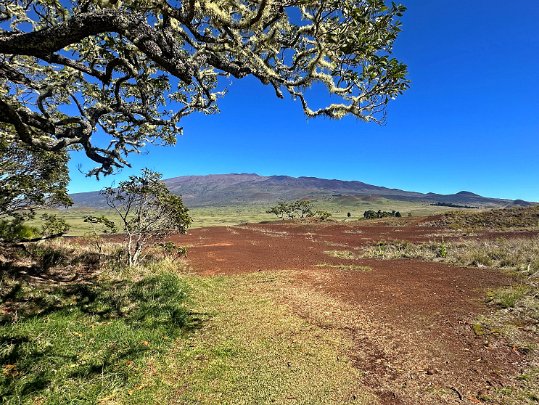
column 30, row 178
column 133, row 69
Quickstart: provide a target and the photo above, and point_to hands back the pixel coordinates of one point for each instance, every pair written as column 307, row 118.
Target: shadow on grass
column 80, row 341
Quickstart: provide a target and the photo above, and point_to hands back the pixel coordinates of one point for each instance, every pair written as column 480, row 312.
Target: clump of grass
column 507, row 297
column 519, row 254
column 349, row 267
column 341, row 254
column 478, row 329
column 400, row 250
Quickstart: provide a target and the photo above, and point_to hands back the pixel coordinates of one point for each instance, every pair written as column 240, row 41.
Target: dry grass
column 341, row 254
column 348, row 267
column 496, row 219
column 519, row 254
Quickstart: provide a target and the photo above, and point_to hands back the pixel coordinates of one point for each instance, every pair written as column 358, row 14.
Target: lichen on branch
column 109, row 77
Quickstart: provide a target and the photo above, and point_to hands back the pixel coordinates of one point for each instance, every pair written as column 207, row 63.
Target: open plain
column 411, row 322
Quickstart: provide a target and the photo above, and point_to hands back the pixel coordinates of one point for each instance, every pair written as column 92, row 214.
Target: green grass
column 75, row 219
column 252, row 350
column 507, row 297
column 84, row 342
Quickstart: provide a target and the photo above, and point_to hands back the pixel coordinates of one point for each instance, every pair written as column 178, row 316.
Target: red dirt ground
column 417, row 346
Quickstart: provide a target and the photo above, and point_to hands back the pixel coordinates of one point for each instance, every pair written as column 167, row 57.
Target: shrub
column 148, row 211
column 322, row 215
column 371, row 214
column 15, row 230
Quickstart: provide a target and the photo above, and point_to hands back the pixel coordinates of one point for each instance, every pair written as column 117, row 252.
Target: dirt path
column 411, row 321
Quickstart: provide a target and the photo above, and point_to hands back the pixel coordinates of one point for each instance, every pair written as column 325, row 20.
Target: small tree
column 323, row 215
column 280, row 209
column 305, row 208
column 147, row 210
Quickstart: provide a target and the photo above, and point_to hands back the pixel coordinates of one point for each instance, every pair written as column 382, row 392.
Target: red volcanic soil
column 283, row 246
column 416, row 344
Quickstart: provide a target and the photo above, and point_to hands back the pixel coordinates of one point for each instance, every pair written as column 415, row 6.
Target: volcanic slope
column 235, row 189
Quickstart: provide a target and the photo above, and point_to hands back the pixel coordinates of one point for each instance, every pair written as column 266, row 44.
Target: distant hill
column 244, row 188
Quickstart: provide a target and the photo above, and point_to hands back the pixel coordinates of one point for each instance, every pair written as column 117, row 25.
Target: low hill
column 244, row 188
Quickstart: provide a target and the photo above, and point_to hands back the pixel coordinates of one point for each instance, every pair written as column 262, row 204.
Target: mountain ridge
column 249, row 188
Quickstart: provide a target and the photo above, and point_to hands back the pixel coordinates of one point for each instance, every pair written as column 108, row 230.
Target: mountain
column 245, row 188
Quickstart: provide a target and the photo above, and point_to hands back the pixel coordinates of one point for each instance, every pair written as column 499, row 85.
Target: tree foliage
column 30, row 178
column 15, row 229
column 280, row 210
column 292, row 209
column 135, row 68
column 371, row 214
column 147, row 211
column 297, row 209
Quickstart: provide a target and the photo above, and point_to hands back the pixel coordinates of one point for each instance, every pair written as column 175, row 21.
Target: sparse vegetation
column 519, row 254
column 495, row 219
column 517, row 317
column 341, row 254
column 349, row 267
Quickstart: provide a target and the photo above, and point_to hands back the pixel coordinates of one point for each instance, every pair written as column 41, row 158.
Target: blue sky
column 470, row 120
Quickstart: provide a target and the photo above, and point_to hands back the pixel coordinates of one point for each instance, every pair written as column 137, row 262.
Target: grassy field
column 252, row 213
